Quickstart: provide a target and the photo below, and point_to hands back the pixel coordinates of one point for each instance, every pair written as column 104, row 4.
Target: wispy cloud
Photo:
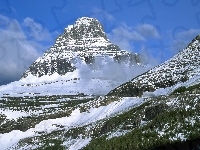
column 183, row 38
column 99, row 12
column 36, row 30
column 124, row 35
column 147, row 31
column 17, row 51
column 13, row 10
column 188, row 34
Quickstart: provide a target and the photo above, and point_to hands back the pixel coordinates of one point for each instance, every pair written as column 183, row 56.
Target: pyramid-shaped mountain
column 180, row 68
column 85, row 41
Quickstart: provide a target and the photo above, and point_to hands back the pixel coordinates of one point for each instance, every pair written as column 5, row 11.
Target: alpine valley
column 87, row 93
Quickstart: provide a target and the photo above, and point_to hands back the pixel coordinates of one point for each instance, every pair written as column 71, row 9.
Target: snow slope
column 182, row 67
column 57, row 86
column 83, row 80
column 76, row 119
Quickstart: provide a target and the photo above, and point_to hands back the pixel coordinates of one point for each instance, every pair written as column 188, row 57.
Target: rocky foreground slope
column 180, row 68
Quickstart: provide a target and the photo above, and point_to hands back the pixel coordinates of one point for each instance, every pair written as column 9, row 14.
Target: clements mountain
column 85, row 42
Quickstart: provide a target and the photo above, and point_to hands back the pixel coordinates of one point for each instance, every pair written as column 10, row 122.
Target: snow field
column 75, row 120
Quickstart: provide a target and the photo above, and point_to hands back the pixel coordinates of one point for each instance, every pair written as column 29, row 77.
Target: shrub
column 180, row 90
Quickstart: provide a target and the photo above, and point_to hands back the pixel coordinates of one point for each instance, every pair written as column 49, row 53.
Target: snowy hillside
column 94, row 112
column 180, row 68
column 75, row 122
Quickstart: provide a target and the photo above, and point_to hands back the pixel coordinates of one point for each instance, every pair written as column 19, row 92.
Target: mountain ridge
column 179, row 68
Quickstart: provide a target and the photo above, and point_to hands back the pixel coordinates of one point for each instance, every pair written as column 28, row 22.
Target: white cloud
column 123, row 37
column 37, row 31
column 147, row 58
column 128, row 33
column 183, row 38
column 17, row 52
column 188, row 34
column 148, row 30
column 101, row 13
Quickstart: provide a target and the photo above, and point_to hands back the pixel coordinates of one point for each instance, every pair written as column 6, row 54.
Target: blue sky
column 158, row 29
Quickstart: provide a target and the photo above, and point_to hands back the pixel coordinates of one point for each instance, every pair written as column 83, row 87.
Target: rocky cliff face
column 84, row 42
column 179, row 68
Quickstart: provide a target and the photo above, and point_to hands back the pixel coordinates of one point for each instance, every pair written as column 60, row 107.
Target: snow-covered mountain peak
column 85, row 28
column 86, row 41
column 86, row 21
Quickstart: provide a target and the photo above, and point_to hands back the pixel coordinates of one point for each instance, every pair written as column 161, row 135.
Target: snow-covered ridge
column 180, row 68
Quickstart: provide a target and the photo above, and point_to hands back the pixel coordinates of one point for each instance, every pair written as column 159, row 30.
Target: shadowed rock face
column 61, row 66
column 183, row 145
column 153, row 111
column 84, row 41
column 179, row 68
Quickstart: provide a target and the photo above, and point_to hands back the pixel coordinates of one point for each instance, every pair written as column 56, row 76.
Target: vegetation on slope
column 166, row 128
column 31, row 105
column 159, row 121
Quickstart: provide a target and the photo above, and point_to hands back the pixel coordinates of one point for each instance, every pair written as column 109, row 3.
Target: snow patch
column 76, row 119
column 80, row 143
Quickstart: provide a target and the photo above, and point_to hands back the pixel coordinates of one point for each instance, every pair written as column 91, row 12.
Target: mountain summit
column 85, row 41
column 85, row 28
column 180, row 68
